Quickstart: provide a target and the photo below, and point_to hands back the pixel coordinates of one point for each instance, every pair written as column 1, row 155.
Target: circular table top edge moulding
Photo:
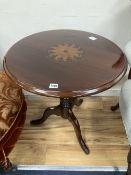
column 66, row 53
column 57, row 94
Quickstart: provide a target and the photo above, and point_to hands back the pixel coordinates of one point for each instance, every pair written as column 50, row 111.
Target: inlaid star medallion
column 65, row 52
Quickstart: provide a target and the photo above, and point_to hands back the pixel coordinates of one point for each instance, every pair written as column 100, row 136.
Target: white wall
column 19, row 18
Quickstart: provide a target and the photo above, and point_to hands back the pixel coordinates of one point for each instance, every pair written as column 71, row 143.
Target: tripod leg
column 49, row 111
column 75, row 123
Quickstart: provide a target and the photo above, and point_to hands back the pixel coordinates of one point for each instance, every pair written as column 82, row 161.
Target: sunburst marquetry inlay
column 65, row 52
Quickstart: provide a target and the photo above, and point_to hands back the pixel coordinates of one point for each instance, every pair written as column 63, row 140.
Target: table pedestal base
column 64, row 109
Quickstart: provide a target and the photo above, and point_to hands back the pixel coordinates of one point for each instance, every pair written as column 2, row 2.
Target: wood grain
column 55, row 143
column 67, row 58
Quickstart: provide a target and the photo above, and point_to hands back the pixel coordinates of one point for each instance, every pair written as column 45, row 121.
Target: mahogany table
column 66, row 64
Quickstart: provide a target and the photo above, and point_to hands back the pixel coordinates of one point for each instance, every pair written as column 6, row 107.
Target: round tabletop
column 65, row 63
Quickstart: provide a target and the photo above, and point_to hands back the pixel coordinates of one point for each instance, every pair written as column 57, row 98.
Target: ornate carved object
column 12, row 118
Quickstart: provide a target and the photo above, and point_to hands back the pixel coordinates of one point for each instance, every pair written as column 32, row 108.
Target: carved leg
column 76, row 125
column 129, row 162
column 49, row 111
column 114, row 108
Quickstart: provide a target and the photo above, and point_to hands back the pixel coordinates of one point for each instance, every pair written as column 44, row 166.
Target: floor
column 55, row 143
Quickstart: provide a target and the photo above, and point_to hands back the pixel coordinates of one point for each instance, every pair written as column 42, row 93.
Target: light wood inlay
column 65, row 52
column 55, row 143
column 100, row 64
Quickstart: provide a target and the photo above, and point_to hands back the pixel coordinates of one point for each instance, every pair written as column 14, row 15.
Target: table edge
column 65, row 94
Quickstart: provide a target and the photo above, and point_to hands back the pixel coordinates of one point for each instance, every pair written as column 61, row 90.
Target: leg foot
column 114, row 108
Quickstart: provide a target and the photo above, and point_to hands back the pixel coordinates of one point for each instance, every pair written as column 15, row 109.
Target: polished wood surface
column 54, row 142
column 80, row 63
